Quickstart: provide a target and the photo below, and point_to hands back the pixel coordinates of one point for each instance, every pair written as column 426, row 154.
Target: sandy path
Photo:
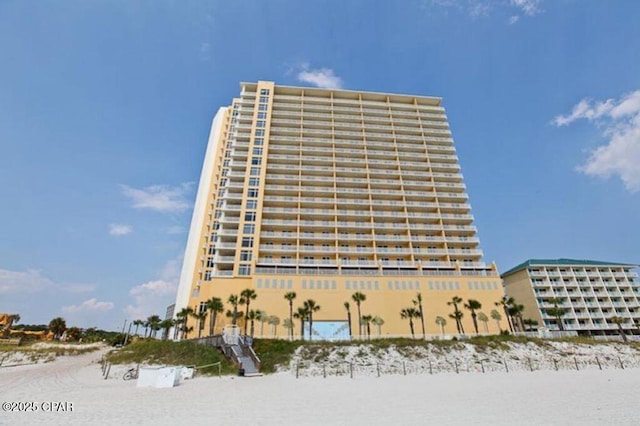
column 589, row 397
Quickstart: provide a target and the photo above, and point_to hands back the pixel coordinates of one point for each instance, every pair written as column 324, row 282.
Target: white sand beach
column 561, row 397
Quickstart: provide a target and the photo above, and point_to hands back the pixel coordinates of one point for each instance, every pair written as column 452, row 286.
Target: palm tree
column 516, row 312
column 165, row 325
column 247, row 295
column 482, row 317
column 441, row 322
column 619, row 321
column 473, row 305
column 347, row 307
column 290, row 296
column 215, row 307
column 57, row 326
column 311, row 307
column 251, row 316
column 366, row 319
column 201, row 317
column 530, row 323
column 73, row 334
column 418, row 302
column 288, row 324
column 358, row 298
column 495, row 315
column 262, row 317
column 145, row 324
column 410, row 314
column 154, row 325
column 137, row 323
column 234, row 300
column 302, row 314
column 235, row 313
column 457, row 315
column 556, row 311
column 505, row 302
column 273, row 322
column 378, row 322
column 182, row 319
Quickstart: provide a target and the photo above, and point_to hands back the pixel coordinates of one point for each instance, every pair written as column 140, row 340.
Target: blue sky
column 105, row 108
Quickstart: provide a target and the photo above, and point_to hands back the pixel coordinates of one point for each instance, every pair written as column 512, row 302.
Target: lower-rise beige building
column 585, row 296
column 328, row 193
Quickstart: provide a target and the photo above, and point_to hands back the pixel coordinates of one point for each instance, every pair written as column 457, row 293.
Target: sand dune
column 523, row 398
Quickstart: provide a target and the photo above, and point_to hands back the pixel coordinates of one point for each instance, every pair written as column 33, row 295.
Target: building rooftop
column 564, row 262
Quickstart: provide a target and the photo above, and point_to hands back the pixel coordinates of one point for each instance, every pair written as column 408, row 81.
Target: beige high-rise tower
column 326, row 193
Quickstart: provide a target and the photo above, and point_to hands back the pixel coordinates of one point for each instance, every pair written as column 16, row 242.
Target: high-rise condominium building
column 326, row 193
column 586, row 296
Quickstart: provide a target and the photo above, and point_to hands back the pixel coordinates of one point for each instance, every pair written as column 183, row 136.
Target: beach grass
column 172, row 353
column 274, row 353
column 33, row 352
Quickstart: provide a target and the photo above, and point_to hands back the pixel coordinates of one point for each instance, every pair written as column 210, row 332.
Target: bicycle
column 131, row 374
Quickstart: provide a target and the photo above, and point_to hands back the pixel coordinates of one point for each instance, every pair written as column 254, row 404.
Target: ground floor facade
column 385, row 298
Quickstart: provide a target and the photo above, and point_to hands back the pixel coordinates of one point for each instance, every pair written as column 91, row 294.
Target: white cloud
column 90, row 305
column 118, row 230
column 528, row 7
column 481, row 8
column 154, row 288
column 620, row 124
column 162, row 198
column 319, row 77
column 152, row 297
column 30, row 281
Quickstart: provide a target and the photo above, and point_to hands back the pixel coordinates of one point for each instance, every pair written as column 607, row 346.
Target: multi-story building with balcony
column 589, row 294
column 330, row 192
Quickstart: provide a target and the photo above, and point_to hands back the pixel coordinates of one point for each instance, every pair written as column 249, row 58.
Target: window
column 259, row 132
column 250, row 216
column 247, row 242
column 264, row 99
column 254, row 181
column 262, row 115
column 244, row 270
column 252, row 204
column 255, row 171
column 264, row 92
column 256, row 161
column 252, row 193
column 260, row 124
column 245, row 255
column 258, row 141
column 249, row 229
column 257, row 151
column 262, row 107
